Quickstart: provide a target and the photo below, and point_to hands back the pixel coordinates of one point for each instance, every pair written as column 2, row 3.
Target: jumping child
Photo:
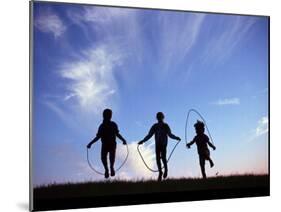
column 161, row 130
column 201, row 140
column 107, row 132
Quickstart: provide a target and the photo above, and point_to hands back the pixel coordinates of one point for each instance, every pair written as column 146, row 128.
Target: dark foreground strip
column 118, row 200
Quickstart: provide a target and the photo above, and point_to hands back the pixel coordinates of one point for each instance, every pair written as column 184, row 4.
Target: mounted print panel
column 137, row 105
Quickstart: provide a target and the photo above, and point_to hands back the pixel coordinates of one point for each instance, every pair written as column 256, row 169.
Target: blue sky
column 138, row 62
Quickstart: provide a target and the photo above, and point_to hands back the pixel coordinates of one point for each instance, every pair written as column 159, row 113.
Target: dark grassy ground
column 104, row 188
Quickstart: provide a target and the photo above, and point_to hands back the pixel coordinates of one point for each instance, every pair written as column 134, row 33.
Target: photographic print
column 137, row 105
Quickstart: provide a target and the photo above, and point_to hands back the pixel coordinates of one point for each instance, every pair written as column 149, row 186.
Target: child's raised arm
column 190, row 143
column 93, row 141
column 210, row 144
column 121, row 138
column 149, row 135
column 118, row 135
column 171, row 135
column 98, row 136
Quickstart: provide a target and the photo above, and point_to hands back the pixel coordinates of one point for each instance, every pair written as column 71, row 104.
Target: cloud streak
column 178, row 34
column 49, row 22
column 262, row 127
column 227, row 101
column 90, row 82
column 108, row 25
column 223, row 43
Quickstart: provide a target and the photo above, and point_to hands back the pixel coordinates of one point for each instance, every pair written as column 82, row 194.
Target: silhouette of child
column 107, row 132
column 161, row 131
column 201, row 141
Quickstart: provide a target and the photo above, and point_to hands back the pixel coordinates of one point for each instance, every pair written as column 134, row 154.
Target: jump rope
column 171, row 153
column 100, row 173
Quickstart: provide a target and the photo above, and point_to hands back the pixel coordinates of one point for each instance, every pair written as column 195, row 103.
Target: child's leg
column 158, row 157
column 158, row 162
column 211, row 162
column 112, row 161
column 208, row 157
column 104, row 161
column 202, row 166
column 164, row 160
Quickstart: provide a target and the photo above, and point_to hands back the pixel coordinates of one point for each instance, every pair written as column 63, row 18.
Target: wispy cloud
column 178, row 34
column 227, row 35
column 227, row 101
column 51, row 105
column 172, row 36
column 65, row 114
column 108, row 25
column 262, row 127
column 90, row 82
column 106, row 14
column 49, row 22
column 89, row 78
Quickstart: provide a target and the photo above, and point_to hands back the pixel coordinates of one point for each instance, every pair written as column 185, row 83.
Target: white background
column 14, row 109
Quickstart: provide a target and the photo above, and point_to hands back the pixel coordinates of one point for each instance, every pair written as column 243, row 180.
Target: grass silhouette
column 119, row 187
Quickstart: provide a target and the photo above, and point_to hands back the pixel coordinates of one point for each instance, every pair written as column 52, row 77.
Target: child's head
column 160, row 116
column 199, row 127
column 107, row 114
